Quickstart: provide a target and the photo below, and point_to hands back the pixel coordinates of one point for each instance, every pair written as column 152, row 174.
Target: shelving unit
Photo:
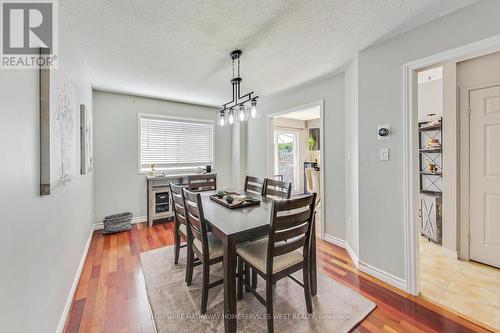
column 430, row 181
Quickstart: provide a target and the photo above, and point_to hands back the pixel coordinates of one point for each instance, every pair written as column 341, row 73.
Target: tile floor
column 466, row 287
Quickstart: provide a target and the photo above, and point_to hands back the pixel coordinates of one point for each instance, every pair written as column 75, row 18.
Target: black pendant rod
column 236, row 85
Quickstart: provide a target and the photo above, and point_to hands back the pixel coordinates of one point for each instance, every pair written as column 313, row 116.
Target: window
column 170, row 143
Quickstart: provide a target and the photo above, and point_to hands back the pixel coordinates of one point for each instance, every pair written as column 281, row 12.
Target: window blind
column 170, row 143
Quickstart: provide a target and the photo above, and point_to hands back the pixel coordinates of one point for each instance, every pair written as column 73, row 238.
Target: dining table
column 238, row 225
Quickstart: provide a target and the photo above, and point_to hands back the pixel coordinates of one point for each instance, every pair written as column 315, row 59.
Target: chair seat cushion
column 256, row 254
column 214, row 246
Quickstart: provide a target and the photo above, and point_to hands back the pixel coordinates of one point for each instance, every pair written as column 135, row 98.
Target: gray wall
column 352, row 157
column 42, row 238
column 332, row 91
column 118, row 186
column 382, row 239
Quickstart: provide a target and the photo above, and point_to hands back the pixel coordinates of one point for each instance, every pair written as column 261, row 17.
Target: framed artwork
column 86, row 156
column 57, row 130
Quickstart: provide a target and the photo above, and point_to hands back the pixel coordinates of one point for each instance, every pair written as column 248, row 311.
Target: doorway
column 295, row 152
column 286, row 156
column 451, row 275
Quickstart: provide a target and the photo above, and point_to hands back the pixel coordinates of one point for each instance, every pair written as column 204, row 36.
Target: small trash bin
column 117, row 222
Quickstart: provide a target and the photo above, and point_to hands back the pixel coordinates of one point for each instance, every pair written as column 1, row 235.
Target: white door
column 286, row 156
column 485, row 175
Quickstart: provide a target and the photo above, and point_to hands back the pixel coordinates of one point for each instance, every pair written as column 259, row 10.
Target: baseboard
column 69, row 300
column 449, row 253
column 334, row 240
column 138, row 219
column 352, row 254
column 383, row 276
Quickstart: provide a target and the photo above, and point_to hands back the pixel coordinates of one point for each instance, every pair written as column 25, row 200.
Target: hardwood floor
column 111, row 294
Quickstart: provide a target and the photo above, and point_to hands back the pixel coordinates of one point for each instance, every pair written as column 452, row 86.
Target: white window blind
column 174, row 144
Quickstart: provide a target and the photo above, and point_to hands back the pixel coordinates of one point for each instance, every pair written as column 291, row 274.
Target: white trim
column 382, row 275
column 352, row 254
column 485, row 46
column 334, row 240
column 135, row 220
column 343, row 244
column 69, row 299
column 321, row 104
column 449, row 253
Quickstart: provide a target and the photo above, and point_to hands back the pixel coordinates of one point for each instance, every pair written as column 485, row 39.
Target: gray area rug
column 176, row 307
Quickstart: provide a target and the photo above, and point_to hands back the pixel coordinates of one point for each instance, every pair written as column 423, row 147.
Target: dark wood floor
column 111, row 295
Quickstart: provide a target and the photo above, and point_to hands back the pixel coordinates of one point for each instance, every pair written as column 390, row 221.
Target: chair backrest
column 291, row 227
column 198, row 183
column 275, row 189
column 278, row 177
column 195, row 218
column 254, row 185
column 179, row 205
column 309, row 180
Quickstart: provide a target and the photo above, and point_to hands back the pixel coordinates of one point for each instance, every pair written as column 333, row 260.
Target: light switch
column 384, row 154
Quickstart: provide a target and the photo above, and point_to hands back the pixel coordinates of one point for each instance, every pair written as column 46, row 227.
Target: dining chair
column 199, row 183
column 278, row 255
column 205, row 246
column 276, row 189
column 181, row 229
column 254, row 185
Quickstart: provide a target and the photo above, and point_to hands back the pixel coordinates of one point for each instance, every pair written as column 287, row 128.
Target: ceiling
column 179, row 49
column 306, row 114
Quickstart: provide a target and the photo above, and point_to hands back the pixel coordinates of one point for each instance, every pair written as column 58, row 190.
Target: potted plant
column 311, row 142
column 249, row 197
column 220, row 194
column 229, row 199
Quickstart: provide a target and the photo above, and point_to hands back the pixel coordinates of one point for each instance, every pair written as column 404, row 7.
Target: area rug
column 176, row 307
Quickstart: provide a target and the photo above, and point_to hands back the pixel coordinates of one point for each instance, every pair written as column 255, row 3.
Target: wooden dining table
column 235, row 226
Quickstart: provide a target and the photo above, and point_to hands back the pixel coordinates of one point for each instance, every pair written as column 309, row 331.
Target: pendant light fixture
column 240, row 108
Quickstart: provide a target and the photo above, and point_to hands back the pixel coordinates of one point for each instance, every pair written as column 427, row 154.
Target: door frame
column 464, row 234
column 269, row 148
column 410, row 140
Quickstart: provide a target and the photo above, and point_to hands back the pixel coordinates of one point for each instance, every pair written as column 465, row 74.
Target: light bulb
column 230, row 118
column 241, row 114
column 222, row 120
column 253, row 109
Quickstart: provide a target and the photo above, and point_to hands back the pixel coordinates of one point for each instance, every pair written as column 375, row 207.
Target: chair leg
column 204, row 287
column 190, row 264
column 177, row 244
column 307, row 287
column 240, row 278
column 254, row 279
column 188, row 261
column 269, row 305
column 247, row 276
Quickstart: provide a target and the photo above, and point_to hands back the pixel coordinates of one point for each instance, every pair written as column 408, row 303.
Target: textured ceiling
column 179, row 49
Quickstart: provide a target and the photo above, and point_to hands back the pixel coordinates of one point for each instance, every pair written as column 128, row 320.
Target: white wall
column 381, row 238
column 118, row 186
column 352, row 160
column 42, row 238
column 332, row 91
column 430, row 99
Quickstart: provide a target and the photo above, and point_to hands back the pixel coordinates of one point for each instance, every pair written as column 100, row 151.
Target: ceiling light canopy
column 240, row 108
